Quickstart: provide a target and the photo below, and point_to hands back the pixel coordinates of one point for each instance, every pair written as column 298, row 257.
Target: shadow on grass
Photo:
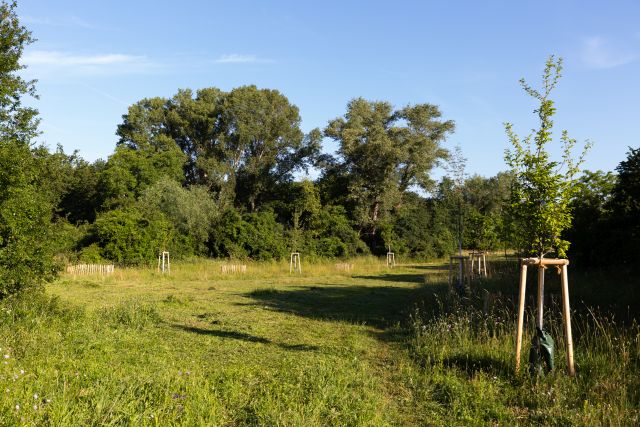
column 379, row 306
column 398, row 278
column 223, row 334
column 437, row 267
column 244, row 337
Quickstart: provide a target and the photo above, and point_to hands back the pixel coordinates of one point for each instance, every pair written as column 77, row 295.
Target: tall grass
column 468, row 358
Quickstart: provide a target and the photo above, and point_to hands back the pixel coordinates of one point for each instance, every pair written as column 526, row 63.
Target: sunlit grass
column 370, row 346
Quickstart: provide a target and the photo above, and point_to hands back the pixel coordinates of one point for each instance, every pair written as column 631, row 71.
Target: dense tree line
column 211, row 173
column 219, row 174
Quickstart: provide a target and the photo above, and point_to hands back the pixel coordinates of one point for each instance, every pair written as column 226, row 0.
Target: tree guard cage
column 460, row 273
column 542, row 264
column 479, row 258
column 391, row 258
column 164, row 263
column 295, row 266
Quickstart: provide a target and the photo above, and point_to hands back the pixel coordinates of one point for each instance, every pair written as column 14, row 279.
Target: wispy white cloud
column 236, row 58
column 44, row 61
column 597, row 52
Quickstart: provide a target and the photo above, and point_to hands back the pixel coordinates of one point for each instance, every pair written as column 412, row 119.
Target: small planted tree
column 542, row 188
column 540, row 204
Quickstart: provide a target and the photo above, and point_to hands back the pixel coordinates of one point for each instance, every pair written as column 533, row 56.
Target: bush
column 191, row 212
column 90, row 254
column 331, row 234
column 257, row 236
column 128, row 238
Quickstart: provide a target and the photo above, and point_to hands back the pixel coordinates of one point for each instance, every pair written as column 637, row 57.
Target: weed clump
column 130, row 314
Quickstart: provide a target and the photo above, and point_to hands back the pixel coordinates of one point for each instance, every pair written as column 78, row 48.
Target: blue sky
column 93, row 59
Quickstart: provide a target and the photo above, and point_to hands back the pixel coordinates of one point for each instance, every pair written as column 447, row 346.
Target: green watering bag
column 541, row 353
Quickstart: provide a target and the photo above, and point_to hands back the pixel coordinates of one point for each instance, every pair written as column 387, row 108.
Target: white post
column 295, row 265
column 164, row 261
column 566, row 316
column 523, row 287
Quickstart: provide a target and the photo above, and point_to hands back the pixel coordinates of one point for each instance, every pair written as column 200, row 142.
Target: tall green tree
column 382, row 153
column 240, row 143
column 25, row 213
column 543, row 188
column 623, row 219
column 591, row 214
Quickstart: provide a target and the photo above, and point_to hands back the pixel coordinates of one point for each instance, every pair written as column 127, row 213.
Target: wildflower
column 35, row 396
column 17, row 407
column 21, row 371
column 6, row 356
column 35, row 407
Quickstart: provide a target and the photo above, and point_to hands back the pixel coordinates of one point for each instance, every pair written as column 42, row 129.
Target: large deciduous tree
column 383, row 152
column 239, row 143
column 25, row 214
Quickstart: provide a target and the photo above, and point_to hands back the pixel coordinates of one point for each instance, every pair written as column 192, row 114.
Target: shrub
column 127, row 237
column 256, row 235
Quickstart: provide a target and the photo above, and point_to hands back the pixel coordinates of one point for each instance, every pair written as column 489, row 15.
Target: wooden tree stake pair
column 542, row 264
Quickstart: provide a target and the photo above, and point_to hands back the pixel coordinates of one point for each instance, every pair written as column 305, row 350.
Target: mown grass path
column 326, row 348
column 264, row 348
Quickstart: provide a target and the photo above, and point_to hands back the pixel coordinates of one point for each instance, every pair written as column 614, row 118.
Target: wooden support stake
column 566, row 314
column 473, row 262
column 484, row 263
column 523, row 287
column 540, row 310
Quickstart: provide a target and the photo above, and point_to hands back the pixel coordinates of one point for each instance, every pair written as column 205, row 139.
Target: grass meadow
column 371, row 346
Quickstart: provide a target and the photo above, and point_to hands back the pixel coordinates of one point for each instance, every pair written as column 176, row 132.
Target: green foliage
column 191, row 211
column 607, row 212
column 129, row 238
column 84, row 195
column 480, row 231
column 416, row 231
column 591, row 223
column 382, row 154
column 25, row 213
column 129, row 171
column 626, row 192
column 91, row 254
column 256, row 236
column 542, row 192
column 239, row 144
column 331, row 234
column 18, row 124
